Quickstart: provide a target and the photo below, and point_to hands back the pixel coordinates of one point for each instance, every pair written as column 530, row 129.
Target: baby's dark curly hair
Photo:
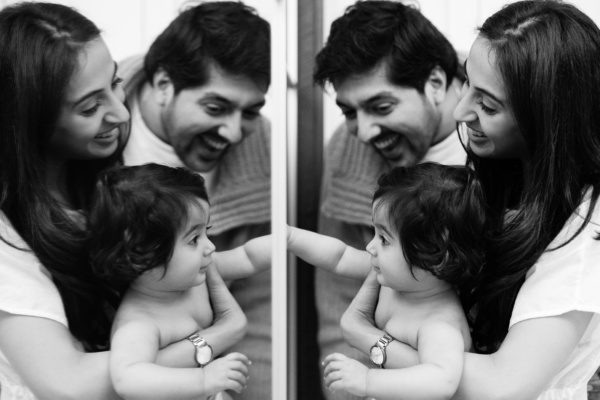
column 135, row 217
column 438, row 213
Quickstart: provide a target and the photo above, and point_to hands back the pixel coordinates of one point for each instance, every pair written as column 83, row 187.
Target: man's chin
column 198, row 164
column 402, row 157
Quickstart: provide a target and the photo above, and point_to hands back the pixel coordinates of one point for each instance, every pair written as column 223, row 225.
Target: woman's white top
column 563, row 280
column 26, row 288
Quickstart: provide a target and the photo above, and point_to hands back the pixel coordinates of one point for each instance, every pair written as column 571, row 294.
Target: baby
column 429, row 225
column 148, row 239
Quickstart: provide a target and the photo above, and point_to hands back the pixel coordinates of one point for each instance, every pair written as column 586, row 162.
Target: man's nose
column 231, row 128
column 367, row 128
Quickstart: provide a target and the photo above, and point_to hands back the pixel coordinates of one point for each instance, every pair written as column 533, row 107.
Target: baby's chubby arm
column 437, row 376
column 359, row 329
column 229, row 326
column 135, row 375
column 246, row 260
column 329, row 253
column 319, row 250
column 441, row 357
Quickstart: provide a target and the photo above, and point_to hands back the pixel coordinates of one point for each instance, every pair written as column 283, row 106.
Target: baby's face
column 387, row 257
column 192, row 253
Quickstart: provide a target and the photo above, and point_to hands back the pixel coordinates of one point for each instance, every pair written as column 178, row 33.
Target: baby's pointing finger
column 331, row 367
column 333, row 357
column 332, row 377
column 240, row 367
column 238, row 357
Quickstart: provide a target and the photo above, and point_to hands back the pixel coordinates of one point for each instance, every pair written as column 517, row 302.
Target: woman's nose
column 464, row 111
column 118, row 112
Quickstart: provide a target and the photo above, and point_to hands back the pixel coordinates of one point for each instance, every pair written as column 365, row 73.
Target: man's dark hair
column 370, row 32
column 227, row 34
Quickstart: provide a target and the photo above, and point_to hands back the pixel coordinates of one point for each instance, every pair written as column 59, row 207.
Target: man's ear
column 435, row 85
column 162, row 87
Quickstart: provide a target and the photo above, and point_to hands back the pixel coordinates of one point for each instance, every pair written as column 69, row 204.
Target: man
column 397, row 83
column 195, row 101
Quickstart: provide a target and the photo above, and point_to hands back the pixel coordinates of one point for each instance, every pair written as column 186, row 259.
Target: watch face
column 204, row 355
column 376, row 355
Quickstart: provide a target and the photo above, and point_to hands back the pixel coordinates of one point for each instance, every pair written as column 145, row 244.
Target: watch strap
column 382, row 343
column 199, row 342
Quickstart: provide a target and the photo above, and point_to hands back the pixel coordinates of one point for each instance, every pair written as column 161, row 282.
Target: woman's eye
column 91, row 111
column 486, row 109
column 383, row 240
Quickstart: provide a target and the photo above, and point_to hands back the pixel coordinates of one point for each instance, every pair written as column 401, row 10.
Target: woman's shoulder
column 583, row 210
column 9, row 238
column 576, row 229
column 566, row 276
column 26, row 287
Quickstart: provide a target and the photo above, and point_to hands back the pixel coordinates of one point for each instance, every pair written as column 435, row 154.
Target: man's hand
column 227, row 373
column 344, row 373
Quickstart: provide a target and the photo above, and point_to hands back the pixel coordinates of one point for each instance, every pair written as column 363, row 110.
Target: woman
column 63, row 120
column 530, row 110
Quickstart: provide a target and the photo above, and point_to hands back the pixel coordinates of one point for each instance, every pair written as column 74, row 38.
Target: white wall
column 456, row 19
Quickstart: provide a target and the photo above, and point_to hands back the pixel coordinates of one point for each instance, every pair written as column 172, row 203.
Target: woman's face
column 93, row 108
column 485, row 110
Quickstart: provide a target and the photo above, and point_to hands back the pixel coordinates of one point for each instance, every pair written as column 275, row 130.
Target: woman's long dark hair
column 547, row 54
column 40, row 44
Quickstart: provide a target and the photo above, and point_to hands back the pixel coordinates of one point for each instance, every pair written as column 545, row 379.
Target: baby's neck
column 156, row 296
column 427, row 295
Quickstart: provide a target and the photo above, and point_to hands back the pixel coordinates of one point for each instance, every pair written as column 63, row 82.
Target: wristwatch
column 377, row 352
column 204, row 352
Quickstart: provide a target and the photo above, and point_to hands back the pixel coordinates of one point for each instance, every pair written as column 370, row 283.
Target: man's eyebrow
column 484, row 91
column 217, row 97
column 373, row 99
column 97, row 91
column 378, row 97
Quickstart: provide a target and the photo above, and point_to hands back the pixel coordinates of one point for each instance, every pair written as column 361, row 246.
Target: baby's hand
column 226, row 373
column 344, row 373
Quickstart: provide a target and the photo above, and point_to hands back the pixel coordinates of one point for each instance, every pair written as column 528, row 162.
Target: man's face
column 398, row 121
column 202, row 122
